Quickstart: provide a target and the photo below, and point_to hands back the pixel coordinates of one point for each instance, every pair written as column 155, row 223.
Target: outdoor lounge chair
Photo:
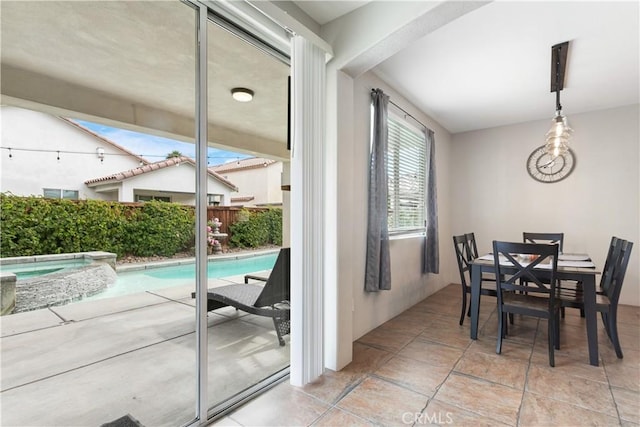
column 270, row 300
column 254, row 277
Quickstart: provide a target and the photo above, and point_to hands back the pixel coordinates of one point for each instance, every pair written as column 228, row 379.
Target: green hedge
column 35, row 226
column 254, row 229
column 160, row 228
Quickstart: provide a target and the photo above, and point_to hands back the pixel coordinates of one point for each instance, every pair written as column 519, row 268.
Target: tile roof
column 250, row 163
column 242, row 199
column 121, row 176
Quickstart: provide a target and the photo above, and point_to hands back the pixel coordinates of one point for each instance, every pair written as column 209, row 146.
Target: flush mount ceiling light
column 557, row 139
column 242, row 94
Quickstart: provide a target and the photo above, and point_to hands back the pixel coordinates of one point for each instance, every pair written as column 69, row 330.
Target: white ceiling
column 146, row 56
column 491, row 67
column 326, row 11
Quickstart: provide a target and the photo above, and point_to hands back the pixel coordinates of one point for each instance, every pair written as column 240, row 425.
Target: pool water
column 35, row 269
column 150, row 279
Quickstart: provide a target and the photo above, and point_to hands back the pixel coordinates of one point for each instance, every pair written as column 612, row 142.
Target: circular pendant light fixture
column 242, row 94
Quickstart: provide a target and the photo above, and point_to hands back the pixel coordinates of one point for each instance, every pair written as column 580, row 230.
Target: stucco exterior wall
column 263, row 183
column 177, row 182
column 28, row 172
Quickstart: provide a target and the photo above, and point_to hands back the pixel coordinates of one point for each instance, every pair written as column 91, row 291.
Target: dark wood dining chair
column 551, row 238
column 538, row 299
column 608, row 295
column 466, row 251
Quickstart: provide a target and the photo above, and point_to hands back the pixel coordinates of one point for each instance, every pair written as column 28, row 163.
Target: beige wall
column 498, row 199
column 408, row 286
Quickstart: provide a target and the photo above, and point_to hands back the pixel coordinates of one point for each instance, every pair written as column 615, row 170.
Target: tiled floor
column 421, row 368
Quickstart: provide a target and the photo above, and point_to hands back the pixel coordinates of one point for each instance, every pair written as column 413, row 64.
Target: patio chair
column 255, row 277
column 608, row 295
column 270, row 300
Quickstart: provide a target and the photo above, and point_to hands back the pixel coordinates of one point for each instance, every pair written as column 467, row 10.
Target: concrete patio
column 91, row 362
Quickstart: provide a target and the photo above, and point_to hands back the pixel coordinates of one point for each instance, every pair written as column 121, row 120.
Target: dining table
column 573, row 267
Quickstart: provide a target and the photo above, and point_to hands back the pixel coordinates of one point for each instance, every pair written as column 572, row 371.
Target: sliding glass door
column 76, row 78
column 248, row 110
column 91, row 93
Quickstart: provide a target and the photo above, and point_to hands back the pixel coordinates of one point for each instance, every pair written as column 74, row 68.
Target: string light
column 58, row 152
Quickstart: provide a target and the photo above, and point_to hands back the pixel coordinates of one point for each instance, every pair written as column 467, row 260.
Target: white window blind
column 407, row 164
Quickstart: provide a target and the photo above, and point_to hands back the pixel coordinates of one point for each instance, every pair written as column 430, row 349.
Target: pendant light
column 557, row 139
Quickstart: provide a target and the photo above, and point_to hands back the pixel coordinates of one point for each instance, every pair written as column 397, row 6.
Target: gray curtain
column 378, row 262
column 431, row 262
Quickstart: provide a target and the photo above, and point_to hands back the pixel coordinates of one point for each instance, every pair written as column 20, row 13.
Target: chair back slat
column 278, row 287
column 612, row 256
column 617, row 270
column 551, row 238
column 466, row 252
column 536, row 253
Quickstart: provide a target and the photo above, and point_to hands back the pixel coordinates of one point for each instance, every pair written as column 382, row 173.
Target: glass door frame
column 204, row 15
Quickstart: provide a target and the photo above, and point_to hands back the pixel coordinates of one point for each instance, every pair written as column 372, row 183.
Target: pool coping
column 89, row 255
column 191, row 260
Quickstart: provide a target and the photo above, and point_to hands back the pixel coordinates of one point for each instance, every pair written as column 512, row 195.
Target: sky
column 156, row 148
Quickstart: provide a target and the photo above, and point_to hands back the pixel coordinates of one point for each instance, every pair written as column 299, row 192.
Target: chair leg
column 605, row 321
column 506, row 325
column 613, row 333
column 464, row 307
column 551, row 343
column 562, row 312
column 500, row 331
column 279, row 325
column 556, row 333
column 582, row 312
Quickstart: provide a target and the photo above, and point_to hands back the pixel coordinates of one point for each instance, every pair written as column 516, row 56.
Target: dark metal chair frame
column 551, row 238
column 610, row 286
column 538, row 298
column 466, row 251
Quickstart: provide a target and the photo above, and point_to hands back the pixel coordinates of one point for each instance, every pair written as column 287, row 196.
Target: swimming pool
column 34, row 269
column 149, row 279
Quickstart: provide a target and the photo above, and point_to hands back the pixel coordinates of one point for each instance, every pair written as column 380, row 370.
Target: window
column 140, row 198
column 214, row 199
column 57, row 193
column 406, row 170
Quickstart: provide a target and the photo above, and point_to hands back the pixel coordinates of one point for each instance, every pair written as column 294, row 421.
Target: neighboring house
column 258, row 181
column 45, row 155
column 169, row 180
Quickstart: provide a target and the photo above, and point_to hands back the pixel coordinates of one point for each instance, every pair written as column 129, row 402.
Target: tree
column 174, row 153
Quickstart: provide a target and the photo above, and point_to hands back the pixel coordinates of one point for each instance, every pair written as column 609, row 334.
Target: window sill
column 409, row 235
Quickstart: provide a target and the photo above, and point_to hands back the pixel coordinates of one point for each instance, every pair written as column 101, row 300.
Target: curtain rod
column 405, row 112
